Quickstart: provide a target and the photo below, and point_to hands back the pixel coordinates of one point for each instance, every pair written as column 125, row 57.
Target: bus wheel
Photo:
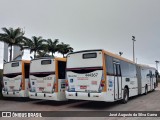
column 125, row 96
column 146, row 90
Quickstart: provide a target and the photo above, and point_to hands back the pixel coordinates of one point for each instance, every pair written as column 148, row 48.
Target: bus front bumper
column 14, row 93
column 45, row 96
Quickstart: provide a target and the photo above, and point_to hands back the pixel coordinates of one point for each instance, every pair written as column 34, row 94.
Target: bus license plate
column 83, row 87
column 41, row 89
column 11, row 87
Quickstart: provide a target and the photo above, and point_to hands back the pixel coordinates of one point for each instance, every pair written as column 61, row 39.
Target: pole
column 133, row 38
column 157, row 64
column 136, row 60
column 133, row 52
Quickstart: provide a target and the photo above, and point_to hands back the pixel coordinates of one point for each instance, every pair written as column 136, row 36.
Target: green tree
column 64, row 48
column 52, row 46
column 36, row 45
column 13, row 37
column 43, row 54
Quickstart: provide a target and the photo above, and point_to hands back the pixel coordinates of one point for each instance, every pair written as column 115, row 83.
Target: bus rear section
column 16, row 79
column 47, row 79
column 85, row 76
column 146, row 78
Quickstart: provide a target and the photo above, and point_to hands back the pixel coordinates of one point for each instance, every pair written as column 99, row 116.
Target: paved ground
column 150, row 102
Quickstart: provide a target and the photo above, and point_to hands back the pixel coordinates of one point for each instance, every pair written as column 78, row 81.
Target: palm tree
column 36, row 45
column 52, row 46
column 42, row 54
column 13, row 37
column 64, row 48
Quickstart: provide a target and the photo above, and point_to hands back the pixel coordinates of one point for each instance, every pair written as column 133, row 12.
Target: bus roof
column 25, row 61
column 118, row 57
column 145, row 66
column 85, row 51
column 106, row 52
column 56, row 58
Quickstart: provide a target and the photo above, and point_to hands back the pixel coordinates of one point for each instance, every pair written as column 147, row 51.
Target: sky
column 90, row 24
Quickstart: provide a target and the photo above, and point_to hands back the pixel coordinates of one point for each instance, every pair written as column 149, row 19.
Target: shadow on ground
column 99, row 105
column 56, row 103
column 18, row 99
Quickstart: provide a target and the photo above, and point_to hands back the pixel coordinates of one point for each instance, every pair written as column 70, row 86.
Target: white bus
column 47, row 79
column 16, row 79
column 102, row 76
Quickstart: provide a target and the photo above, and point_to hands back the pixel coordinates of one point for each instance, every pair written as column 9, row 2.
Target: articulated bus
column 102, row 76
column 47, row 79
column 16, row 79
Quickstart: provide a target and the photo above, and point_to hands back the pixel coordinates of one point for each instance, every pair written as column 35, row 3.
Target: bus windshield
column 13, row 68
column 85, row 60
column 42, row 66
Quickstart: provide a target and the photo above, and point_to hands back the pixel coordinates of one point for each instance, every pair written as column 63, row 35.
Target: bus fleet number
column 91, row 74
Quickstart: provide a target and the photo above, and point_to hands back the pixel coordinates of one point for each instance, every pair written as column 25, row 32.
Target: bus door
column 151, row 80
column 117, row 81
column 139, row 77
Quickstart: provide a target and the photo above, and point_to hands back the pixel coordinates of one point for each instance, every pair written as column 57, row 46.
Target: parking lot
column 149, row 102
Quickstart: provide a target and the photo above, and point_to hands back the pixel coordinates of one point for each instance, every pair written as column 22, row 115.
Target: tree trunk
column 52, row 54
column 63, row 55
column 11, row 53
column 34, row 54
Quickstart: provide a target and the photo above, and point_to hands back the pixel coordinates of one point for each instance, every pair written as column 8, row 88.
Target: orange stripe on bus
column 104, row 74
column 23, row 75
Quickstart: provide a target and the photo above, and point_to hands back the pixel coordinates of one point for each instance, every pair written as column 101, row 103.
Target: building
column 17, row 54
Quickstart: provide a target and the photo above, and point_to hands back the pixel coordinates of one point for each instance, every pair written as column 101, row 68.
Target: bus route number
column 91, row 74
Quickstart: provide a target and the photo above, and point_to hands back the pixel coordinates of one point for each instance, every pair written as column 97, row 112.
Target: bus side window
column 153, row 75
column 109, row 65
column 128, row 69
column 150, row 74
column 119, row 70
column 124, row 69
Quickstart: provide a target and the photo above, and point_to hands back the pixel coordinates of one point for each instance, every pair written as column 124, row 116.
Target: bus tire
column 125, row 96
column 146, row 90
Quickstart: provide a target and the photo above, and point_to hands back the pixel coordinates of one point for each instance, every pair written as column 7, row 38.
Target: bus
column 99, row 75
column 47, row 79
column 16, row 78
